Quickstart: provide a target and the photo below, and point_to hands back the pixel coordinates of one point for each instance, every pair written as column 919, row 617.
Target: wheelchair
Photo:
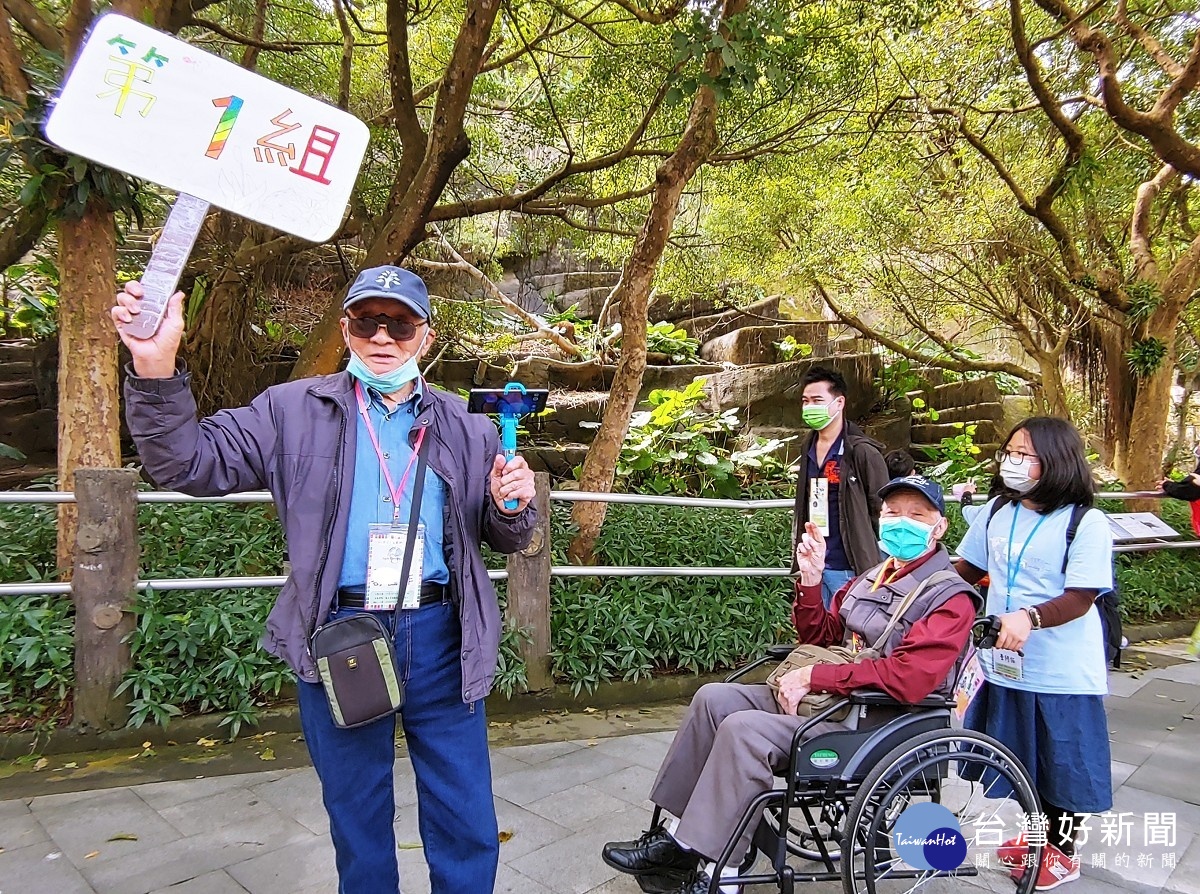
column 833, row 813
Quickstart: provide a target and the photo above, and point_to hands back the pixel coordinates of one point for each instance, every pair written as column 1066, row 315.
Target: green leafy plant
column 669, row 339
column 790, row 349
column 677, row 447
column 897, row 379
column 1146, row 356
column 957, row 457
column 34, row 286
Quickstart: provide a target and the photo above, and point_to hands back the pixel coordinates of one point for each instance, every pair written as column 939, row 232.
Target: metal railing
column 565, row 496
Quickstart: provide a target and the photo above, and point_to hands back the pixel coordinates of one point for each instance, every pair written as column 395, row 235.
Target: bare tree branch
column 1140, row 241
column 35, row 24
column 530, row 319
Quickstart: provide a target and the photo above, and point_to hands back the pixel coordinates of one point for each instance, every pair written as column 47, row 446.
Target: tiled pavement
column 266, row 833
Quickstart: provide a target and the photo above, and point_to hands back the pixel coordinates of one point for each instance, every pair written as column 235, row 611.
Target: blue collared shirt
column 370, row 502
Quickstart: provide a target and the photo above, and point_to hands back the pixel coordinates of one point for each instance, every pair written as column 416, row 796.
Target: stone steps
column 986, row 430
column 11, row 389
column 990, row 411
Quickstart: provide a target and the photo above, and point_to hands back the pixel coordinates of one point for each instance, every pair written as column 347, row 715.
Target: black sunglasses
column 366, row 327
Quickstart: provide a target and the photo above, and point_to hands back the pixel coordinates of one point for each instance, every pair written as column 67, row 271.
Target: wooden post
column 529, row 592
column 103, row 587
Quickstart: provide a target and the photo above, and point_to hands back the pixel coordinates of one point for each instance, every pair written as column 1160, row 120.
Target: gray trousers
column 724, row 755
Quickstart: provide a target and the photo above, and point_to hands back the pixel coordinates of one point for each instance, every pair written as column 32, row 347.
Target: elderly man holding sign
column 385, row 486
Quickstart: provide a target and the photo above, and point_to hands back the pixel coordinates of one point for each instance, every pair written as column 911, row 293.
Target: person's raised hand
column 511, row 480
column 154, row 357
column 810, row 555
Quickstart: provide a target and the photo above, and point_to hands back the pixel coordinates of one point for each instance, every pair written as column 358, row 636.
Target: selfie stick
column 510, row 415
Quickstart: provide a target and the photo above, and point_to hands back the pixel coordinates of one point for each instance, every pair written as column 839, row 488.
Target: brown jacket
column 863, row 473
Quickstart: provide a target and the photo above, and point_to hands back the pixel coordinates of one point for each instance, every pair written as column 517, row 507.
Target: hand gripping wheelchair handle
column 985, row 631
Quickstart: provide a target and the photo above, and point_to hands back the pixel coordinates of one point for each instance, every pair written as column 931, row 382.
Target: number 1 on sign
column 232, row 106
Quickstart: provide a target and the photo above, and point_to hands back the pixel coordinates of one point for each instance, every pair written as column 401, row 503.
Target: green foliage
column 669, row 339
column 1144, row 297
column 677, row 447
column 35, row 288
column 790, row 349
column 9, row 452
column 1146, row 356
column 957, row 457
column 62, row 183
column 628, row 628
column 897, row 379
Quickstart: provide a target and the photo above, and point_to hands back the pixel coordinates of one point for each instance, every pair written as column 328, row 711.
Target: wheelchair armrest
column 875, row 697
column 779, row 651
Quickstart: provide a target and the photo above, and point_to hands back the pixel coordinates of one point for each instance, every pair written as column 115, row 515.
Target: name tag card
column 147, row 103
column 385, row 564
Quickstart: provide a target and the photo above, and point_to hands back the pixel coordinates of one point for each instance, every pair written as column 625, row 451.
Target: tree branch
column 20, row 232
column 532, row 320
column 14, row 86
column 290, row 47
column 649, row 17
column 35, row 24
column 1140, row 242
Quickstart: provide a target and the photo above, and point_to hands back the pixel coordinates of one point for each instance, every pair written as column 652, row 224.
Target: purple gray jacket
column 297, row 440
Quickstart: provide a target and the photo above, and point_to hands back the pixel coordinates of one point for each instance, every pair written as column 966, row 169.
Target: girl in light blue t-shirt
column 1047, row 676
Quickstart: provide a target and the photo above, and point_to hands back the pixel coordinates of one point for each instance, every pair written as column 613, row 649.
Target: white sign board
column 1128, row 527
column 155, row 107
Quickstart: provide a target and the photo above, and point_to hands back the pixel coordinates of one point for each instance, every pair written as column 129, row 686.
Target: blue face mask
column 903, row 538
column 387, row 383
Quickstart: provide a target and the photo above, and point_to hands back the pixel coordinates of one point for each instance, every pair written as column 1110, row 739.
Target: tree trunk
column 88, row 420
column 632, row 296
column 1049, row 395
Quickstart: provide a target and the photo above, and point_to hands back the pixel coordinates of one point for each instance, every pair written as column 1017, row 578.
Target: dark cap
column 391, row 282
column 926, row 487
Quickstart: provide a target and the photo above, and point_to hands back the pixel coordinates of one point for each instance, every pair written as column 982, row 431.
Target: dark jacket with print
column 863, row 473
column 297, row 440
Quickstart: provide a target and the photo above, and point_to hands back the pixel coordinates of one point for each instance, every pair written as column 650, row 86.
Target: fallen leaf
column 1160, row 695
column 629, row 725
column 268, row 754
column 1169, row 728
column 42, row 763
column 70, row 766
column 592, row 743
column 505, row 835
column 146, row 744
column 1189, row 716
column 92, row 854
column 589, row 710
column 124, row 836
column 205, row 742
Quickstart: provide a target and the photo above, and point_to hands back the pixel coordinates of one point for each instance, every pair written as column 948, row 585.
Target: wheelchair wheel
column 973, row 777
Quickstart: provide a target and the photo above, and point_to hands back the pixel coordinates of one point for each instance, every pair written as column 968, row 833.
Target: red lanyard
column 394, row 491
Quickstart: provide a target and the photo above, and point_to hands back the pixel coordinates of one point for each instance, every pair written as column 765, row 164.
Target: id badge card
column 969, row 683
column 385, row 563
column 1007, row 664
column 818, row 504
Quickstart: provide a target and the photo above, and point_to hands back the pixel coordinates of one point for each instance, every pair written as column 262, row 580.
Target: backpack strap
column 1078, row 511
column 997, row 504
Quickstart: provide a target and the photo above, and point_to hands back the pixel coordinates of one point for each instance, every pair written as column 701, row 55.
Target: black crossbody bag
column 356, row 659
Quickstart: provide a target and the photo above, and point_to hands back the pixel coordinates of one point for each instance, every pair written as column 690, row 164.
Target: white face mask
column 1015, row 476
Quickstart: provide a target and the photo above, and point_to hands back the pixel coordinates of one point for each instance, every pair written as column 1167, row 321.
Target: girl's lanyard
column 394, row 491
column 1014, row 569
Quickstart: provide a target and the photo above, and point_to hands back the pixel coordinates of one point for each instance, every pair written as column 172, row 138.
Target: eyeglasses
column 366, row 327
column 1017, row 456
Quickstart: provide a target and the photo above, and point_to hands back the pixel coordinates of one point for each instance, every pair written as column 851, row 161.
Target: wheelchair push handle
column 985, row 631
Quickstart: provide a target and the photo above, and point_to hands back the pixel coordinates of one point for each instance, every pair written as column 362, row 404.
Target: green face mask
column 817, row 417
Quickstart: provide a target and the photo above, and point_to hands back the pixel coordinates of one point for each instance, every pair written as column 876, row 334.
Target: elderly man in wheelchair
column 872, row 738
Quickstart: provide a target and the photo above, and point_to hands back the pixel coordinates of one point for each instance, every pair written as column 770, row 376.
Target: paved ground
column 558, row 801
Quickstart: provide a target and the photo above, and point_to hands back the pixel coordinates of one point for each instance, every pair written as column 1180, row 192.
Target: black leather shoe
column 654, row 852
column 698, row 884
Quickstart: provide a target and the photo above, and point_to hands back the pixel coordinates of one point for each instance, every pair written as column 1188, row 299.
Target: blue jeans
column 832, row 580
column 447, row 741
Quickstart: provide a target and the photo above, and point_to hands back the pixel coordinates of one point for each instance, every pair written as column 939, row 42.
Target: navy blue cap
column 926, row 487
column 391, row 282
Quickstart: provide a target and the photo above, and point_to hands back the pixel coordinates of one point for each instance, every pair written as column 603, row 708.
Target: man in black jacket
column 838, row 485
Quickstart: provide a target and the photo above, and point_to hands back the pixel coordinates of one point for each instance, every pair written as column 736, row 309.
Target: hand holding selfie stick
column 510, row 403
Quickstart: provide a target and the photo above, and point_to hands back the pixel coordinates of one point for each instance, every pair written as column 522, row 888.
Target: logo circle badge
column 928, row 836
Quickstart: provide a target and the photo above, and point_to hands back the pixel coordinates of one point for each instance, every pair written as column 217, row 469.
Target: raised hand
column 153, row 358
column 512, row 480
column 810, row 555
